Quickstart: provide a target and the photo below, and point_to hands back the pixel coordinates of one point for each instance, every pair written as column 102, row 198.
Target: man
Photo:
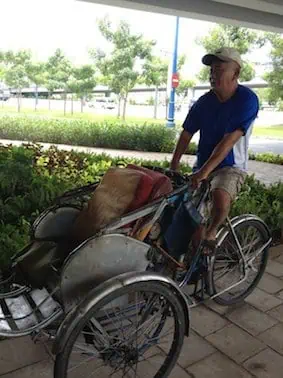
column 224, row 118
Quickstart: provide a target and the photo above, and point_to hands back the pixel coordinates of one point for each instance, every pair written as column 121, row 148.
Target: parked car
column 102, row 103
column 4, row 95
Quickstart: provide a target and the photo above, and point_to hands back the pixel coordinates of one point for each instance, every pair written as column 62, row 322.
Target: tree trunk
column 65, row 102
column 72, row 104
column 119, row 107
column 155, row 103
column 82, row 104
column 36, row 98
column 19, row 100
column 125, row 106
column 49, row 102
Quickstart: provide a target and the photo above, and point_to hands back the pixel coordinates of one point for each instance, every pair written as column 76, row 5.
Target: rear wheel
column 136, row 331
column 227, row 268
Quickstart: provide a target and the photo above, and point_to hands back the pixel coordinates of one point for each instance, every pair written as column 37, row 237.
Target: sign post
column 175, row 79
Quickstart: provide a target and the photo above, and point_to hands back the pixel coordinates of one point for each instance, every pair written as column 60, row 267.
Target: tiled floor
column 238, row 342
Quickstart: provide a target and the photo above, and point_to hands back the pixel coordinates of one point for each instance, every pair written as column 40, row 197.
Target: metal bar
column 35, row 310
column 8, row 316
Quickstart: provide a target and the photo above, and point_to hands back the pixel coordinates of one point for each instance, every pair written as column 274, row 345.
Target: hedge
column 148, row 137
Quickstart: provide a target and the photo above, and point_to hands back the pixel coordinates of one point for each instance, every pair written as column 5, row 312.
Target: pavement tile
column 16, row 353
column 279, row 259
column 179, row 372
column 217, row 366
column 262, row 300
column 275, row 252
column 43, row 369
column 270, row 284
column 195, row 348
column 273, row 337
column 235, row 343
column 251, row 319
column 222, row 310
column 277, row 313
column 274, row 268
column 204, row 321
column 266, row 364
column 148, row 369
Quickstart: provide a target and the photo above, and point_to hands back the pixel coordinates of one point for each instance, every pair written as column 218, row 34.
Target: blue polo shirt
column 214, row 119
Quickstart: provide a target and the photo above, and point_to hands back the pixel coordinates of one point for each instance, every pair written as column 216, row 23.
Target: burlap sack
column 110, row 200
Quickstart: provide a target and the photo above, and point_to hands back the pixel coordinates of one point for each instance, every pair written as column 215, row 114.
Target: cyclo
column 118, row 303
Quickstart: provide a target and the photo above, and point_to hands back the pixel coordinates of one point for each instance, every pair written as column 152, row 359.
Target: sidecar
column 100, row 287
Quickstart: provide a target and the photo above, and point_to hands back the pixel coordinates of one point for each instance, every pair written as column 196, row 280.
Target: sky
column 44, row 25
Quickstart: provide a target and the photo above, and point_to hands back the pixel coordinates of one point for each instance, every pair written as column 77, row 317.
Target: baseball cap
column 225, row 54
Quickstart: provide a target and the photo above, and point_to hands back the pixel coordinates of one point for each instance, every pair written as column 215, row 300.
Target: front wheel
column 135, row 331
column 231, row 278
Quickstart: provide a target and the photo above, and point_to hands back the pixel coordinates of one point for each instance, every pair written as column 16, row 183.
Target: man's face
column 223, row 75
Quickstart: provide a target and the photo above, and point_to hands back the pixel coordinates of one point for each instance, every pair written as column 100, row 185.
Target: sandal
column 209, row 246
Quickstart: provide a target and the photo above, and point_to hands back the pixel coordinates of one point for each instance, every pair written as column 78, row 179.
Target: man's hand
column 197, row 178
column 182, row 144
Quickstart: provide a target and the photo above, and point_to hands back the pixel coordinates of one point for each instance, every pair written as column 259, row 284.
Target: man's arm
column 180, row 149
column 217, row 156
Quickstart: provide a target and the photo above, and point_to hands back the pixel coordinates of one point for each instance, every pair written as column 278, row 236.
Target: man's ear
column 236, row 74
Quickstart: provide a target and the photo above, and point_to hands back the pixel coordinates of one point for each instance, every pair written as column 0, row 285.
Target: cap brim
column 208, row 59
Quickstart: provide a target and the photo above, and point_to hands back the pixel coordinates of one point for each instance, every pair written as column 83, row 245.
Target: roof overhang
column 258, row 14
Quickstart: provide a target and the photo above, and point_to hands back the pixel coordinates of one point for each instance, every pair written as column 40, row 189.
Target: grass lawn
column 86, row 116
column 270, row 131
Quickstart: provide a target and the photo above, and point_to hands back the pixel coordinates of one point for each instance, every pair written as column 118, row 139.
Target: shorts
column 229, row 179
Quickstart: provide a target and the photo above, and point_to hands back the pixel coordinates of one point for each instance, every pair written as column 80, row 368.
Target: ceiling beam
column 207, row 10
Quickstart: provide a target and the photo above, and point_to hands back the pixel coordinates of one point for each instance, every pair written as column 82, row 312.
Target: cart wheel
column 136, row 331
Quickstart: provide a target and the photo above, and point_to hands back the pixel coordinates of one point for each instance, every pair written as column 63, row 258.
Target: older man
column 224, row 118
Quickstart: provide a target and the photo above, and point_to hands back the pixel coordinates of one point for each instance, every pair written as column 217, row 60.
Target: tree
column 81, row 82
column 58, row 69
column 121, row 67
column 275, row 76
column 37, row 76
column 182, row 89
column 16, row 70
column 155, row 72
column 242, row 39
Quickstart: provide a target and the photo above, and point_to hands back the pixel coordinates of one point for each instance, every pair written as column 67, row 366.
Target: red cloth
column 143, row 191
column 161, row 185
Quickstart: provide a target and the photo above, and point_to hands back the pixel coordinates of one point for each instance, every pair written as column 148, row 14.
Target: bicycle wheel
column 136, row 331
column 228, row 277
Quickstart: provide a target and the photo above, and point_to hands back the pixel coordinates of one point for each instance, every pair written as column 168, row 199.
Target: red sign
column 175, row 80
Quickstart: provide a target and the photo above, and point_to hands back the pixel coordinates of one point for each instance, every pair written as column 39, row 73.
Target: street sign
column 175, row 80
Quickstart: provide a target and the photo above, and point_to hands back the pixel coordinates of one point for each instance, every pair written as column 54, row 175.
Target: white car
column 103, row 103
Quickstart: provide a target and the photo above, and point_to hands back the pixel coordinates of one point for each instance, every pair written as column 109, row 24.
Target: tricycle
column 118, row 303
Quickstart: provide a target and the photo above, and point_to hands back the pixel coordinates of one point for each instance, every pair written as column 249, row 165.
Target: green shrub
column 31, row 178
column 267, row 157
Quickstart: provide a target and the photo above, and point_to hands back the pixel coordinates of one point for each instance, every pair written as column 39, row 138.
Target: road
column 257, row 145
column 261, row 145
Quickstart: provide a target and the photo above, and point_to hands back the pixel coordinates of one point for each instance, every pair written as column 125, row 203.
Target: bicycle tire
column 221, row 299
column 62, row 359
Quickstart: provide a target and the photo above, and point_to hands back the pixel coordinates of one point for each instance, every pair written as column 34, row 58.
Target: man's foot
column 209, row 246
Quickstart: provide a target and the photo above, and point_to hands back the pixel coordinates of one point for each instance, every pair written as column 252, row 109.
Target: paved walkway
column 265, row 172
column 241, row 341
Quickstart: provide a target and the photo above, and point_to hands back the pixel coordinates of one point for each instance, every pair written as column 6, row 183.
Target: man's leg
column 225, row 185
column 221, row 204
